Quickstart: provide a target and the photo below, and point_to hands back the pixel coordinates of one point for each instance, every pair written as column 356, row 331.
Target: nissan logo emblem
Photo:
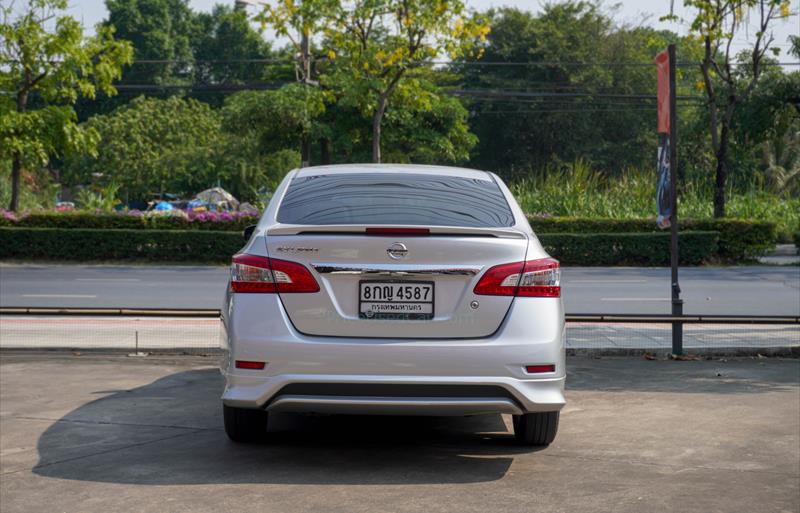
column 397, row 251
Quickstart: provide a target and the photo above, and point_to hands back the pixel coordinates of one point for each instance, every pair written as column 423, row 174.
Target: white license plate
column 408, row 300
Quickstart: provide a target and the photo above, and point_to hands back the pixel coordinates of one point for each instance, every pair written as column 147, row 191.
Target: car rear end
column 386, row 289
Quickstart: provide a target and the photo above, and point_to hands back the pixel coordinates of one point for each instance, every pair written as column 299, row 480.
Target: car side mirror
column 248, row 232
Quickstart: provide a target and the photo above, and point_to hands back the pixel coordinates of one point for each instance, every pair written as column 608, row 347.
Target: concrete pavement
column 202, row 335
column 756, row 290
column 97, row 434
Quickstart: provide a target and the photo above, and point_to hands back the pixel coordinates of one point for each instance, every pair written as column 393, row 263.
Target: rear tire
column 536, row 429
column 244, row 425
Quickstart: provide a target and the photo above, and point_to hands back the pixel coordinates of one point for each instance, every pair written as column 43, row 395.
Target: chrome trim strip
column 394, row 405
column 395, row 270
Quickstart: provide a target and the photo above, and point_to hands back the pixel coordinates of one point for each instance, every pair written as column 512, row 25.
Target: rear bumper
column 256, row 327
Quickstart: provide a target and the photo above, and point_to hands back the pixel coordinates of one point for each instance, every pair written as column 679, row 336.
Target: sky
column 629, row 12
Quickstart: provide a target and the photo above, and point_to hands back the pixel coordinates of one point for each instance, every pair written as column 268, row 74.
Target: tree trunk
column 305, row 152
column 16, row 166
column 16, row 158
column 377, row 118
column 325, row 151
column 721, row 173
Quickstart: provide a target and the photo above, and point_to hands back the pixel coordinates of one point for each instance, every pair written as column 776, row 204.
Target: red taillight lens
column 397, row 231
column 535, row 278
column 245, row 364
column 536, row 369
column 257, row 274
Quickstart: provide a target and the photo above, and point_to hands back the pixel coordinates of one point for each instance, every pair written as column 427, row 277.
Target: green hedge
column 739, row 240
column 82, row 245
column 86, row 220
column 629, row 248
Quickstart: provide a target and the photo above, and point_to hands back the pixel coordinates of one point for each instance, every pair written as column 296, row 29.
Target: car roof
column 338, row 169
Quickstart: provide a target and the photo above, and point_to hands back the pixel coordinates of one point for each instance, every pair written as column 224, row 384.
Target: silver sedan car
column 393, row 290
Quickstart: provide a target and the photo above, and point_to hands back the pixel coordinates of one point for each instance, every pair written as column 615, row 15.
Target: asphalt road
column 635, row 436
column 757, row 290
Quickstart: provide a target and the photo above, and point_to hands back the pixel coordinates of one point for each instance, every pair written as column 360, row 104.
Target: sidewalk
column 784, row 254
column 203, row 335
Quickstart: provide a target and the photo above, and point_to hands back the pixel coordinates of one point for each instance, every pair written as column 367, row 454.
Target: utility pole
column 677, row 302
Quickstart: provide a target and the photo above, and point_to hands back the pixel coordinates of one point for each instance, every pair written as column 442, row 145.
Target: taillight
column 247, row 364
column 536, row 369
column 534, row 278
column 257, row 274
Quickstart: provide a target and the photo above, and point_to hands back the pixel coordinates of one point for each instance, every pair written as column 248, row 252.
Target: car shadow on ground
column 170, row 432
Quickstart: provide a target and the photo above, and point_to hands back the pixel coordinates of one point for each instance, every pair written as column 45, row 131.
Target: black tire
column 537, row 429
column 244, row 425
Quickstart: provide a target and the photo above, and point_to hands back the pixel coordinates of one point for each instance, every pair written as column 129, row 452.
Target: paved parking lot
column 93, row 433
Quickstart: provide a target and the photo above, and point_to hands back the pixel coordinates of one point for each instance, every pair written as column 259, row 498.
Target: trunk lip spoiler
column 360, row 229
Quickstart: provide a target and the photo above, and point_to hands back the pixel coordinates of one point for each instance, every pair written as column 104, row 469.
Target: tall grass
column 577, row 190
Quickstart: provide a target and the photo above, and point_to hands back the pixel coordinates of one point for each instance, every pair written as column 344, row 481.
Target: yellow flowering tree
column 728, row 77
column 377, row 43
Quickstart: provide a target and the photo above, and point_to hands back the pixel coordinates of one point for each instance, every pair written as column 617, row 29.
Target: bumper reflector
column 245, row 364
column 535, row 369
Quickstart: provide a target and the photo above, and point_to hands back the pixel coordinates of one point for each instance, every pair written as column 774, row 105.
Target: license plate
column 405, row 300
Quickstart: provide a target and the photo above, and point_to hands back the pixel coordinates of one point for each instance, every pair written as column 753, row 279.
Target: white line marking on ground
column 634, row 299
column 571, row 282
column 107, row 279
column 60, row 295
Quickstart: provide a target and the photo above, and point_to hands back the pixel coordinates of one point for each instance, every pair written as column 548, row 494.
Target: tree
column 150, row 145
column 45, row 55
column 424, row 126
column 274, row 119
column 223, row 40
column 377, row 42
column 716, row 24
column 566, row 60
column 298, row 21
column 161, row 31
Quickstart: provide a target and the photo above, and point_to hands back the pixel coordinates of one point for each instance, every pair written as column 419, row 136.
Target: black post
column 677, row 302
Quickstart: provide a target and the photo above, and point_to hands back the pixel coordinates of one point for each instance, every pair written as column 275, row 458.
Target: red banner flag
column 662, row 91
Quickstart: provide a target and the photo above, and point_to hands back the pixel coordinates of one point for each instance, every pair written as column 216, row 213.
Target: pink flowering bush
column 132, row 219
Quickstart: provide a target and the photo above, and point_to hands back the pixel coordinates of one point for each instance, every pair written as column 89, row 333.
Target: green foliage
column 716, row 24
column 158, row 30
column 781, row 155
column 376, row 43
column 45, row 54
column 152, row 146
column 739, row 240
column 425, row 128
column 225, row 36
column 37, row 189
column 104, row 199
column 648, row 249
column 796, row 239
column 86, row 245
column 577, row 191
column 276, row 119
column 568, row 45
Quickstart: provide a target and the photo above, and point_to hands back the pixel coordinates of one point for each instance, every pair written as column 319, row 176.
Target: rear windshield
column 407, row 199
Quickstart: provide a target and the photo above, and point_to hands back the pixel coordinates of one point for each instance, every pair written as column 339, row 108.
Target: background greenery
column 190, row 114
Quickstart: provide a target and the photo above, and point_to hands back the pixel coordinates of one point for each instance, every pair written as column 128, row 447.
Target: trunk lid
column 345, row 261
